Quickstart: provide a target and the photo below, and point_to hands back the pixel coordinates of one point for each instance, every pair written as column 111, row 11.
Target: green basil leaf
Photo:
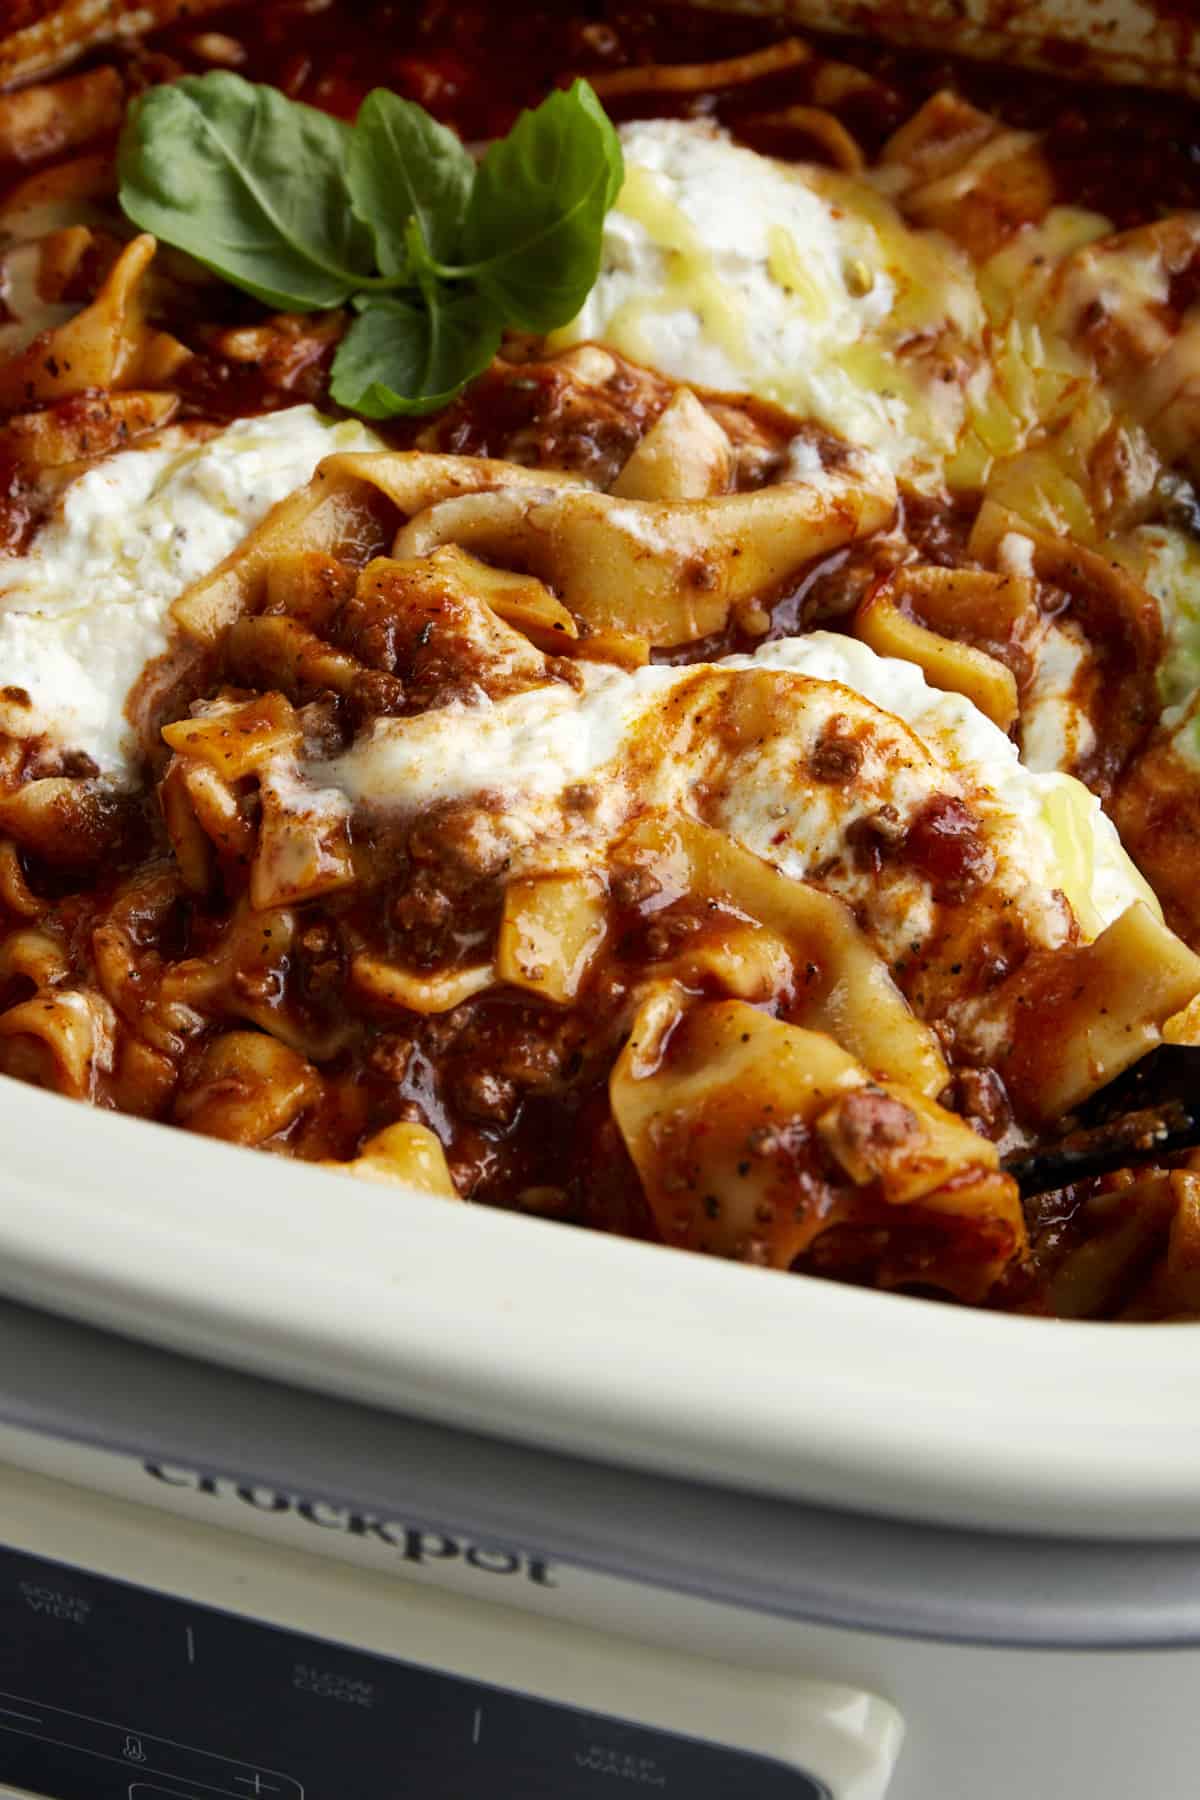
column 532, row 233
column 413, row 355
column 252, row 184
column 404, row 165
column 305, row 212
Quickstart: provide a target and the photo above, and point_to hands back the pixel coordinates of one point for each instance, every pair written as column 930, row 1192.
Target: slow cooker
column 305, row 1491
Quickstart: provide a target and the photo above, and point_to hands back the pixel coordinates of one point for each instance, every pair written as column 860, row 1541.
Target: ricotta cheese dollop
column 86, row 609
column 796, row 283
column 519, row 755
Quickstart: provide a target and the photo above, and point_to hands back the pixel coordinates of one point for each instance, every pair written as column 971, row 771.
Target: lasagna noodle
column 714, row 1102
column 72, row 28
column 668, row 572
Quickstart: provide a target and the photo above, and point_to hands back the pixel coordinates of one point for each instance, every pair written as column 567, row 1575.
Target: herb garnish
column 436, row 254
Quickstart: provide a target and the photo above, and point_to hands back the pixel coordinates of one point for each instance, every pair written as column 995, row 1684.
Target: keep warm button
column 642, row 1770
column 561, row 1751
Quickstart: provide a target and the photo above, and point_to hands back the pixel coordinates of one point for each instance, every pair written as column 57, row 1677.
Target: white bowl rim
column 618, row 1351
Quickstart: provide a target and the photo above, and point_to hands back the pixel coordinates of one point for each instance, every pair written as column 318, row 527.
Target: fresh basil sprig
column 412, row 356
column 436, row 254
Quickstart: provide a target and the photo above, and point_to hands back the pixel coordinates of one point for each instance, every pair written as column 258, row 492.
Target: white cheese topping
column 796, row 283
column 1046, row 831
column 86, row 609
column 1056, row 733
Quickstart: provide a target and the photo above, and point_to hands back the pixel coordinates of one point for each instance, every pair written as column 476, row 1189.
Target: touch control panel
column 109, row 1691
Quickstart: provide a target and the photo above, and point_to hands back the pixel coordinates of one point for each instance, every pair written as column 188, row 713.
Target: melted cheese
column 795, row 283
column 518, row 756
column 86, row 609
column 1056, row 732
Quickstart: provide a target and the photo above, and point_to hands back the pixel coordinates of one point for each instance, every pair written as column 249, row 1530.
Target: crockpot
column 313, row 1486
column 816, row 1540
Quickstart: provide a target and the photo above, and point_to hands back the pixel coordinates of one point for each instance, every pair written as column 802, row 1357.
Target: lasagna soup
column 727, row 769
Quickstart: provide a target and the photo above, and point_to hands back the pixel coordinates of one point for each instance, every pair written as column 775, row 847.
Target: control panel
column 112, row 1691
